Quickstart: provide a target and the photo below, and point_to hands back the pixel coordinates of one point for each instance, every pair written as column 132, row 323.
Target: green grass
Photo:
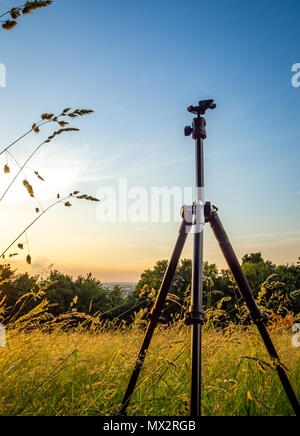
column 83, row 373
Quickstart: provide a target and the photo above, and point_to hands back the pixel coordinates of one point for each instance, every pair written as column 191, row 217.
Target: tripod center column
column 197, row 278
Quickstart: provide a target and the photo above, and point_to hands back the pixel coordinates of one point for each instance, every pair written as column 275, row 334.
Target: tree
column 87, row 295
column 252, row 258
column 257, row 270
column 13, row 287
column 220, row 294
column 152, row 278
column 90, row 295
column 180, row 291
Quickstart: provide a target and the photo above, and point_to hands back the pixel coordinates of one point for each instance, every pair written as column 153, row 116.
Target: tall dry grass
column 47, row 370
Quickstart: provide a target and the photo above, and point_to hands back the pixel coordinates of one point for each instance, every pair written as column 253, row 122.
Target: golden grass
column 82, row 373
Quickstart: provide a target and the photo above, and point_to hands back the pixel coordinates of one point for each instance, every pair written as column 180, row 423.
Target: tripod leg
column 155, row 314
column 246, row 293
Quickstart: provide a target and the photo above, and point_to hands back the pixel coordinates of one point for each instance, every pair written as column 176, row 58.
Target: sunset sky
column 139, row 65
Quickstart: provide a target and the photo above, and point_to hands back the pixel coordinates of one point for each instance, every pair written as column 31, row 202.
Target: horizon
column 109, row 280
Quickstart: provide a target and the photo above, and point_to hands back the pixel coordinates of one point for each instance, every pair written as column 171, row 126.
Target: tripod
column 195, row 217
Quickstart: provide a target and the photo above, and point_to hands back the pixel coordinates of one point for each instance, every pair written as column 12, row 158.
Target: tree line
column 275, row 287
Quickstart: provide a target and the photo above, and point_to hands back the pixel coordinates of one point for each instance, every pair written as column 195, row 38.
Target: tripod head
column 202, row 108
column 197, row 130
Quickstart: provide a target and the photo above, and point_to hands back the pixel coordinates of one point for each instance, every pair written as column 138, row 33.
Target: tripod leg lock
column 195, row 315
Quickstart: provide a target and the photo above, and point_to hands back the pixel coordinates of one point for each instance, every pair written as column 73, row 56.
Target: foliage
column 257, row 273
column 63, row 293
column 278, row 294
column 222, row 300
column 274, row 298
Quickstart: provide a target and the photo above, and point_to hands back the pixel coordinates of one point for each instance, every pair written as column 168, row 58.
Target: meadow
column 84, row 373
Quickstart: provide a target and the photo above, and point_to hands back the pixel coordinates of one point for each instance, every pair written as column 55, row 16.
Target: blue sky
column 139, row 65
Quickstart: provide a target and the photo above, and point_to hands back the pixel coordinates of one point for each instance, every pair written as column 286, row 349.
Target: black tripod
column 196, row 216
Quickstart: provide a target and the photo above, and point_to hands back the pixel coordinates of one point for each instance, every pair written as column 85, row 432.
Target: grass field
column 83, row 373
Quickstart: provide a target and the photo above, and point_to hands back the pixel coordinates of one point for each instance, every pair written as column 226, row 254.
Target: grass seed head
column 9, row 24
column 28, row 188
column 6, row 169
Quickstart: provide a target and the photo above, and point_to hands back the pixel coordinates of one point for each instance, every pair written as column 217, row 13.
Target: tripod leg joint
column 209, row 209
column 195, row 315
